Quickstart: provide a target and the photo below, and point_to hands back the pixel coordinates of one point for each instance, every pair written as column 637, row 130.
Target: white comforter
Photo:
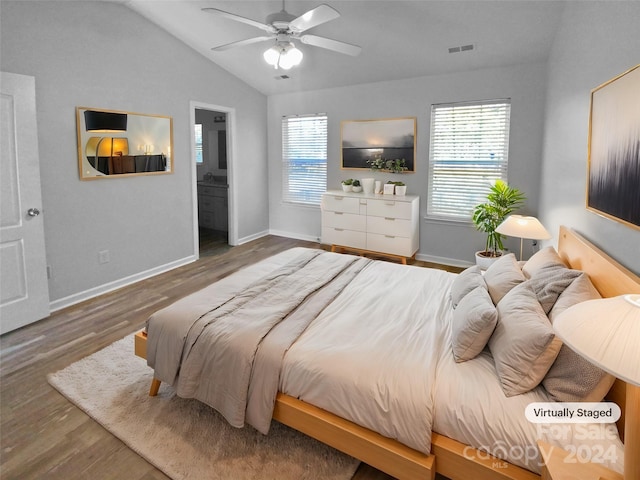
column 371, row 355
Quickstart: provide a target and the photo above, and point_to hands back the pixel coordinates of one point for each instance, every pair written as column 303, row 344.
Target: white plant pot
column 378, row 187
column 356, row 189
column 367, row 185
column 401, row 189
column 485, row 262
column 347, row 188
column 389, row 188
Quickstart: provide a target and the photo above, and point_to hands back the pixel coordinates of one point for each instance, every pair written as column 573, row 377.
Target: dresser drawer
column 389, row 208
column 347, row 221
column 398, row 227
column 341, row 236
column 389, row 244
column 337, row 203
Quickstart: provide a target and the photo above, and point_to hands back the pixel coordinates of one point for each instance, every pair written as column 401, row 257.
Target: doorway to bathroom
column 211, row 156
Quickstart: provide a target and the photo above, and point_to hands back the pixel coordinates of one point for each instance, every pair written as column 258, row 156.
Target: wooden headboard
column 609, row 277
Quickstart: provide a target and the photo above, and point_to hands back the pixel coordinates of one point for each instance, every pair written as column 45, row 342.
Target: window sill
column 448, row 221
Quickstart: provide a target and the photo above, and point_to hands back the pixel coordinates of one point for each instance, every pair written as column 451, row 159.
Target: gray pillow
column 465, row 282
column 572, row 378
column 502, row 276
column 550, row 281
column 545, row 256
column 472, row 325
column 523, row 343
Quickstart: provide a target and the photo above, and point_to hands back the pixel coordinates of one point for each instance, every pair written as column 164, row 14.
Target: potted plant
column 401, row 188
column 356, row 186
column 502, row 200
column 347, row 185
column 396, row 166
column 377, row 164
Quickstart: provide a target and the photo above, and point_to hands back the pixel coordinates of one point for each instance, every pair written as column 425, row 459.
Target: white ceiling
column 399, row 39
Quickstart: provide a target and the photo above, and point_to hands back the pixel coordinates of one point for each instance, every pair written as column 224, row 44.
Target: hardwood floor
column 42, row 434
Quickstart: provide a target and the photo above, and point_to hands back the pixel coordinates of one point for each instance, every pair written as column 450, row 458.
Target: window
column 198, row 136
column 468, row 152
column 304, row 158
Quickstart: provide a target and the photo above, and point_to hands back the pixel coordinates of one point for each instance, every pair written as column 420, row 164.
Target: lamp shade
column 96, row 121
column 523, row 227
column 606, row 332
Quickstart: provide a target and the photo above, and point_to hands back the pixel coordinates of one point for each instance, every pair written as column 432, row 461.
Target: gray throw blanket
column 230, row 354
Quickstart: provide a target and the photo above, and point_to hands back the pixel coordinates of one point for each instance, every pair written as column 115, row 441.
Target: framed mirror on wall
column 113, row 144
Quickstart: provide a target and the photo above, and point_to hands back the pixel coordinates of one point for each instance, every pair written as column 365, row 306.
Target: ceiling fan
column 284, row 28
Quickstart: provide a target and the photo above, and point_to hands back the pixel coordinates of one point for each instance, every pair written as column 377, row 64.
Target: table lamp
column 607, row 333
column 523, row 227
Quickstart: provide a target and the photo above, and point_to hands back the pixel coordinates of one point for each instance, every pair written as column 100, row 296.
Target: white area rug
column 185, row 438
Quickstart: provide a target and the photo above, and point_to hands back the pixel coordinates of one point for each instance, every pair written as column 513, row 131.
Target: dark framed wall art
column 613, row 179
column 366, row 140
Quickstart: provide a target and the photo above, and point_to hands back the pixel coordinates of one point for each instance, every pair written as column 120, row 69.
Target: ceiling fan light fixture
column 272, row 55
column 282, row 55
column 290, row 57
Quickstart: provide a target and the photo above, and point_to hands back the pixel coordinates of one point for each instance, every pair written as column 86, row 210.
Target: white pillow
column 541, row 258
column 502, row 276
column 465, row 282
column 523, row 343
column 473, row 322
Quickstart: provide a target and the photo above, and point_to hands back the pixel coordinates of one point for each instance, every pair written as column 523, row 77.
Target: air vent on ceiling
column 462, row 48
column 282, row 77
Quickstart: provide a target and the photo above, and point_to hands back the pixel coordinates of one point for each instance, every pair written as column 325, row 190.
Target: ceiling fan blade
column 238, row 18
column 329, row 44
column 317, row 16
column 241, row 43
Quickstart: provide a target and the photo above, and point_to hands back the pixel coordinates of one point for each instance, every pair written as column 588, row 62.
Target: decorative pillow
column 472, row 325
column 550, row 281
column 523, row 344
column 572, row 378
column 465, row 282
column 541, row 258
column 502, row 276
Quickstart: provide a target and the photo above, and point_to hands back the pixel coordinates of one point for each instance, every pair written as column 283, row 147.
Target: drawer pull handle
column 389, row 236
column 338, row 198
column 339, row 213
column 339, row 229
column 391, row 204
column 390, row 218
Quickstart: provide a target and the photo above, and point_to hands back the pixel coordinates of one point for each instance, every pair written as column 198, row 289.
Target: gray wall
column 444, row 241
column 596, row 42
column 104, row 55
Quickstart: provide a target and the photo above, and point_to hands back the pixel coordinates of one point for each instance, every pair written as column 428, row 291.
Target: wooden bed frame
column 448, row 457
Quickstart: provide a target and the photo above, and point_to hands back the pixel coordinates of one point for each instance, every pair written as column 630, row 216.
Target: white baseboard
column 454, row 262
column 123, row 282
column 250, row 238
column 296, row 236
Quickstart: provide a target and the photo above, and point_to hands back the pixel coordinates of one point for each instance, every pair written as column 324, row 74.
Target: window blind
column 304, row 158
column 468, row 152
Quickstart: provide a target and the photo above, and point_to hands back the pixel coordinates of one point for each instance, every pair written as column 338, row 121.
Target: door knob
column 33, row 212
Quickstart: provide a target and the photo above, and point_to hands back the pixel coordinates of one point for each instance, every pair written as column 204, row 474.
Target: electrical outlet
column 103, row 256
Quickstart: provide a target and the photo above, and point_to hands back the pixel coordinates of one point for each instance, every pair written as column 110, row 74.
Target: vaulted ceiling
column 399, row 39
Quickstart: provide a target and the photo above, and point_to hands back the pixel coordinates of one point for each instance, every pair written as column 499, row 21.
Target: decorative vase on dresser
column 385, row 225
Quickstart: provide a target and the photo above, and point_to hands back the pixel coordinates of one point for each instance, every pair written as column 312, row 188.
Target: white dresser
column 385, row 224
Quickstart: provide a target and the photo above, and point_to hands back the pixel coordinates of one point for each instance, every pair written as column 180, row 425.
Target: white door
column 24, row 292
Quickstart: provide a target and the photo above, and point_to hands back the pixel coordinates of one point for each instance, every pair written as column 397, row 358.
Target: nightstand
column 555, row 467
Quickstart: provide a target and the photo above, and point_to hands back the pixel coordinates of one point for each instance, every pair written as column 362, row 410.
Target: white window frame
column 304, row 158
column 468, row 152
